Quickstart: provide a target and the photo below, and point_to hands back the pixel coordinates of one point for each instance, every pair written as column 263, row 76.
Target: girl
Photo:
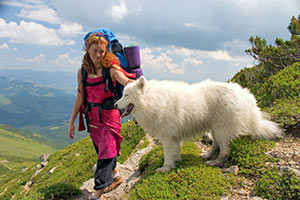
column 104, row 127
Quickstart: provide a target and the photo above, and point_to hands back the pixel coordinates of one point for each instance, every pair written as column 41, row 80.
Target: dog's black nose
column 116, row 105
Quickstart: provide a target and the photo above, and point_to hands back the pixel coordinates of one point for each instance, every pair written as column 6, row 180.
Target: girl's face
column 97, row 52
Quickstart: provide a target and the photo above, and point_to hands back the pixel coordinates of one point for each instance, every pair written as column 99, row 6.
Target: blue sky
column 188, row 40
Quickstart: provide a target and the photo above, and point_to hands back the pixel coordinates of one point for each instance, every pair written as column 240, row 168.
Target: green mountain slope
column 18, row 152
column 37, row 109
column 278, row 95
column 72, row 167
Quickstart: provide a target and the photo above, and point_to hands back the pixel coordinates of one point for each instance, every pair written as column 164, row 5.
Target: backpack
column 116, row 48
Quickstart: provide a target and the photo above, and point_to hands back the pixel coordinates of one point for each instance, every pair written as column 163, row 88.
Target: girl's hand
column 71, row 130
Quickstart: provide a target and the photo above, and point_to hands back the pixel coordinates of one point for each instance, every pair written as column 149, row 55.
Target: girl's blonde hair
column 107, row 60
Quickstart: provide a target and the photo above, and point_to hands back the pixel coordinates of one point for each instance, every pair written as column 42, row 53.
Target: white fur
column 175, row 111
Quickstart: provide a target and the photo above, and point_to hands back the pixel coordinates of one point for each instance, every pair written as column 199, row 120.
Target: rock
column 233, row 169
column 25, row 169
column 28, row 185
column 44, row 157
column 225, row 198
column 38, row 166
column 256, row 198
column 88, row 186
column 289, row 169
column 52, row 170
column 44, row 164
column 94, row 168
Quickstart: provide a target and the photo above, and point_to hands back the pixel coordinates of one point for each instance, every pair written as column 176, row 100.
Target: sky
column 189, row 40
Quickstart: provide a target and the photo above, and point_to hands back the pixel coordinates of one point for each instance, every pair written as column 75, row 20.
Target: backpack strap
column 84, row 75
column 84, row 82
column 109, row 85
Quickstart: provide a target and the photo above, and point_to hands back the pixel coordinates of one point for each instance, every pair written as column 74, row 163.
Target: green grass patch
column 249, row 155
column 286, row 112
column 276, row 186
column 59, row 191
column 13, row 144
column 192, row 179
column 132, row 134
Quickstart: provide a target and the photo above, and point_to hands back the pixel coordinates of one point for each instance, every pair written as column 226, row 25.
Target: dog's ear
column 142, row 82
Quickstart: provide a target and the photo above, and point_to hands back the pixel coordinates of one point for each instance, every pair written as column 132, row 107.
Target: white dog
column 175, row 111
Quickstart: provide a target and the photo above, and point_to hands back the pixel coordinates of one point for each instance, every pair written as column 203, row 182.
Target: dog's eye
column 126, row 95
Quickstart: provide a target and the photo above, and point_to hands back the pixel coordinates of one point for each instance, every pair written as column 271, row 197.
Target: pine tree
column 275, row 58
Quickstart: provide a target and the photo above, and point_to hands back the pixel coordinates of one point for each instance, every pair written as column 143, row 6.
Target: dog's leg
column 171, row 154
column 213, row 150
column 222, row 139
column 211, row 153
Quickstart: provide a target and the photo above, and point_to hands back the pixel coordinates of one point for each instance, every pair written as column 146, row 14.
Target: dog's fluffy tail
column 266, row 129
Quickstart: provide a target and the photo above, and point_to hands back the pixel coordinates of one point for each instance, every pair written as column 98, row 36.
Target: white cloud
column 219, row 55
column 15, row 4
column 161, row 63
column 4, row 46
column 71, row 29
column 37, row 59
column 118, row 12
column 29, row 33
column 64, row 60
column 192, row 62
column 40, row 13
column 179, row 61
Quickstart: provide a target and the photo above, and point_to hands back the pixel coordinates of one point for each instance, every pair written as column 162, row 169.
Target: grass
column 16, row 145
column 192, row 179
column 73, row 167
column 18, row 152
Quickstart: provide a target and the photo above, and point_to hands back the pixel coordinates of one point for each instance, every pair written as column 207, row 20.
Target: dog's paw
column 206, row 156
column 163, row 169
column 215, row 163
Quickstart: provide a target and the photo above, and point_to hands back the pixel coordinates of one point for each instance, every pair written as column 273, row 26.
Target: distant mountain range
column 38, row 109
column 66, row 81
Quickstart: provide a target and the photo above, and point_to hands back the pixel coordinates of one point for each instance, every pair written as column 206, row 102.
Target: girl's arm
column 76, row 106
column 119, row 76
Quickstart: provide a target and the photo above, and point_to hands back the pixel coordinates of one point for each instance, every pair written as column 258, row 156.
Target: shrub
column 287, row 113
column 249, row 155
column 59, row 190
column 284, row 85
column 274, row 185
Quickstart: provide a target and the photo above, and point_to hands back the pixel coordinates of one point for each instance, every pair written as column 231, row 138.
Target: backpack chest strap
column 94, row 84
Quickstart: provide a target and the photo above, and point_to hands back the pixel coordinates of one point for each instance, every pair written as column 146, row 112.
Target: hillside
column 71, row 167
column 279, row 95
column 18, row 152
column 42, row 110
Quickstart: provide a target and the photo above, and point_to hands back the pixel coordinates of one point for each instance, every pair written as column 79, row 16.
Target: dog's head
column 131, row 95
